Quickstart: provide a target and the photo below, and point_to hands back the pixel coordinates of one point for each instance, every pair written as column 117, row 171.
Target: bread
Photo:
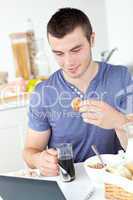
column 123, row 171
column 129, row 166
column 120, row 170
column 76, row 104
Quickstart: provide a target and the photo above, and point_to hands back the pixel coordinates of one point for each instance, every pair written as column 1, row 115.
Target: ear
column 92, row 39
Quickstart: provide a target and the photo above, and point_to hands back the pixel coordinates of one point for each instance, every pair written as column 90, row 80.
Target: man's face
column 72, row 52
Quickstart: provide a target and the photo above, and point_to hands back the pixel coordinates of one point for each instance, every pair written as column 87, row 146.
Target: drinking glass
column 66, row 164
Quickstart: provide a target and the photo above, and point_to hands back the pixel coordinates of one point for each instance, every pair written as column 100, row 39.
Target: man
column 51, row 118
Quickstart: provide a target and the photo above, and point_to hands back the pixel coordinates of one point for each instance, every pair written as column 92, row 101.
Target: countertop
column 14, row 101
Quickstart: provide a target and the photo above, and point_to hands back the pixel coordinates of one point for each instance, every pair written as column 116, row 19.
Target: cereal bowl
column 96, row 171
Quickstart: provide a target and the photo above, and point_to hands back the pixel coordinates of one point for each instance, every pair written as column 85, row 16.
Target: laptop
column 16, row 188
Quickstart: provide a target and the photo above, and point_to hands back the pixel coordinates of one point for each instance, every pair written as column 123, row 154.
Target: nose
column 68, row 61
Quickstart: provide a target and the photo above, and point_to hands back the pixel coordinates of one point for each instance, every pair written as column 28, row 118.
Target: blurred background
column 111, row 20
column 26, row 58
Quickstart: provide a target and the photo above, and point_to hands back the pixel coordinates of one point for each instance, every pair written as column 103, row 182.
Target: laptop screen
column 15, row 188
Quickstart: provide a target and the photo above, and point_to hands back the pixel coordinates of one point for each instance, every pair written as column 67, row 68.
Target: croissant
column 120, row 170
column 75, row 104
column 129, row 166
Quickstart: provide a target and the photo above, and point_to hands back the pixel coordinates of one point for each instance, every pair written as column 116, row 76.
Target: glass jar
column 41, row 60
column 32, row 47
column 20, row 48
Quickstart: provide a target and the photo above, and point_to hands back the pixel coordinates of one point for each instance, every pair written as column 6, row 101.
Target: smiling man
column 51, row 118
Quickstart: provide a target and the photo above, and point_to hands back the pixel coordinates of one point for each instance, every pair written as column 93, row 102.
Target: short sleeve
column 126, row 93
column 37, row 114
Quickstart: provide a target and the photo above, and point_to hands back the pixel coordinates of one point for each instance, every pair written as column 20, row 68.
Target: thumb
column 52, row 152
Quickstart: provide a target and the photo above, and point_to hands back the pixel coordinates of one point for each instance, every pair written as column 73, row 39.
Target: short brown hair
column 65, row 20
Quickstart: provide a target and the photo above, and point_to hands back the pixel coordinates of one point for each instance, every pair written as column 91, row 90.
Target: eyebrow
column 76, row 47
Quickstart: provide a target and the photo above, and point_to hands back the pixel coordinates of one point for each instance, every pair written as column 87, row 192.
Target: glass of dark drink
column 66, row 164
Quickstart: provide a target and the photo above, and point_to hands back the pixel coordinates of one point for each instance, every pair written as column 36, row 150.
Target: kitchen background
column 112, row 22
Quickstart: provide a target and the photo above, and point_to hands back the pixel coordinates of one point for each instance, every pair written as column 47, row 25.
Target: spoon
column 65, row 174
column 94, row 148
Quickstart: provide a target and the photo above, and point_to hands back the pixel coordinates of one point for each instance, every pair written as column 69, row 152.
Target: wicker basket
column 114, row 192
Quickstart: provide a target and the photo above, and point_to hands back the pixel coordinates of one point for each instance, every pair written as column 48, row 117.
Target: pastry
column 76, row 104
column 129, row 166
column 120, row 170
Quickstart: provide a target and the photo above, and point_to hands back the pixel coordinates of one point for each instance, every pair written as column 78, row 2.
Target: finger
column 51, row 159
column 83, row 109
column 92, row 102
column 92, row 121
column 48, row 172
column 129, row 117
column 49, row 168
column 84, row 102
column 47, row 164
column 52, row 166
column 52, row 152
column 87, row 108
column 92, row 116
column 53, row 155
column 46, row 157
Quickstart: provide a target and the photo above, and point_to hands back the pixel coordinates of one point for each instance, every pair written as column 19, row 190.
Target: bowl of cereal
column 96, row 171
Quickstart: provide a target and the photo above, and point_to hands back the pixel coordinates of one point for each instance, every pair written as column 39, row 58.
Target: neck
column 83, row 82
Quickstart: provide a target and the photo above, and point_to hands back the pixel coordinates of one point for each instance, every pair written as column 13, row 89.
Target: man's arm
column 37, row 156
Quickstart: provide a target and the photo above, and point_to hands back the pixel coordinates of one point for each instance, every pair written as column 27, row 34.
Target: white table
column 79, row 188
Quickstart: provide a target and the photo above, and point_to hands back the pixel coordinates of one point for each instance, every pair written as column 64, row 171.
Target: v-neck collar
column 92, row 85
column 96, row 78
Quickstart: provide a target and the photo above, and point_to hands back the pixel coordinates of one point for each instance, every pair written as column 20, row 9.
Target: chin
column 75, row 75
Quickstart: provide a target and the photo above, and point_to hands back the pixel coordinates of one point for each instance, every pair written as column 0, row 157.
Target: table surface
column 79, row 188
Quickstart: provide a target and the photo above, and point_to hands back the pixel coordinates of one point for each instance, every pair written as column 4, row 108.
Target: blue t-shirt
column 50, row 108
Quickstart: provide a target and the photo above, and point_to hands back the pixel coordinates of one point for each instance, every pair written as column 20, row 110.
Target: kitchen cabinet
column 13, row 128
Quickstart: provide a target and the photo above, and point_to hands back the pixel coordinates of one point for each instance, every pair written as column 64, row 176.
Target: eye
column 76, row 50
column 58, row 54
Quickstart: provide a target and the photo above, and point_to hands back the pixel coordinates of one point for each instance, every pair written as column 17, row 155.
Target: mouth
column 73, row 69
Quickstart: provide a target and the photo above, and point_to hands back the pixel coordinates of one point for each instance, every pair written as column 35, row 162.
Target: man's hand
column 47, row 162
column 101, row 114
